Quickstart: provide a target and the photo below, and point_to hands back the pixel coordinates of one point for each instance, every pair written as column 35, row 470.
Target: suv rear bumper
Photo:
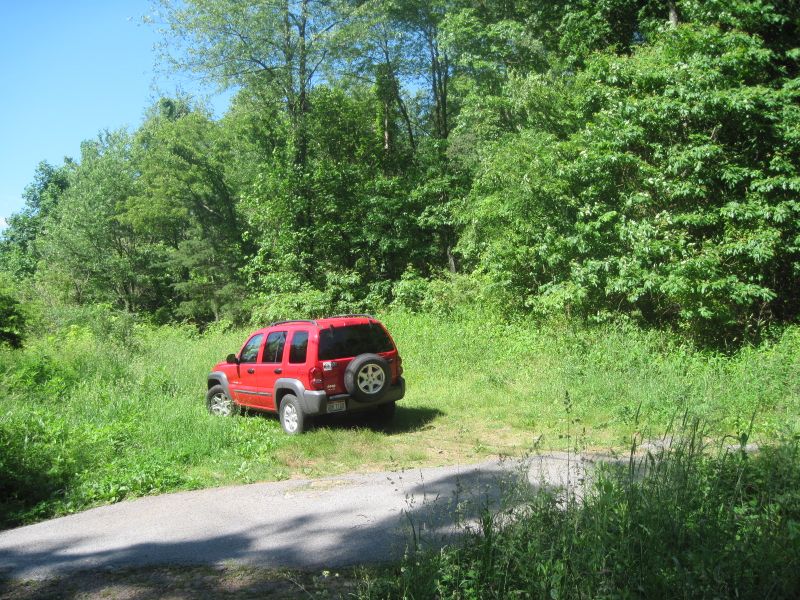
column 316, row 403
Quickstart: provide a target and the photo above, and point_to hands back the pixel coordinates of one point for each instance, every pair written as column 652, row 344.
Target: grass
column 683, row 524
column 103, row 409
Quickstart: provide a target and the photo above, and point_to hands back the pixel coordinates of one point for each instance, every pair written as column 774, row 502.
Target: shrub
column 449, row 295
column 666, row 189
column 679, row 524
column 12, row 319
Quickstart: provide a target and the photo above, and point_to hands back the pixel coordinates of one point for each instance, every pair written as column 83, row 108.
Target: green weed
column 681, row 524
column 101, row 409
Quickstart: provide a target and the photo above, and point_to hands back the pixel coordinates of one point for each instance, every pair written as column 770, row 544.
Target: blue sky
column 69, row 69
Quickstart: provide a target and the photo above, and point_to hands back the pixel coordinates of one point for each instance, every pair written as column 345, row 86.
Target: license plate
column 336, row 406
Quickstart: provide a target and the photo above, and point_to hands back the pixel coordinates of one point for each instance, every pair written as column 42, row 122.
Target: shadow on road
column 428, row 511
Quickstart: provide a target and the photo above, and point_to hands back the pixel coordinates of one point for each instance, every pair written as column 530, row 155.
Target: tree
column 88, row 253
column 674, row 198
column 361, row 218
column 185, row 208
column 420, row 22
column 281, row 44
column 12, row 319
column 18, row 241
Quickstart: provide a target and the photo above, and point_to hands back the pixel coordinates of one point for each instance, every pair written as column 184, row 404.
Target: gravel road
column 304, row 524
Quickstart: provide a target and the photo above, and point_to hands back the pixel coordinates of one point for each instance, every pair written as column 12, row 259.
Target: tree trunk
column 451, row 259
column 439, row 83
column 301, row 156
column 398, row 98
column 404, row 112
column 673, row 13
column 387, row 147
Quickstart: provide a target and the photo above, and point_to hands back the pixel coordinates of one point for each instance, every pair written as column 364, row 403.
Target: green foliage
column 594, row 159
column 83, row 421
column 775, row 23
column 340, row 229
column 88, row 255
column 144, row 222
column 12, row 319
column 18, row 242
column 185, row 208
column 96, row 408
column 663, row 200
column 680, row 524
column 446, row 294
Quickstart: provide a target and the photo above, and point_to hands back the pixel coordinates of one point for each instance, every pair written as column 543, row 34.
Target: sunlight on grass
column 95, row 419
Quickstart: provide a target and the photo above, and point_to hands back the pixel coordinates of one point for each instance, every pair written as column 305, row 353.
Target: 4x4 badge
column 328, row 365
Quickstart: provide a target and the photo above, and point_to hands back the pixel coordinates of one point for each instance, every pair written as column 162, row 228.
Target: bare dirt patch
column 177, row 583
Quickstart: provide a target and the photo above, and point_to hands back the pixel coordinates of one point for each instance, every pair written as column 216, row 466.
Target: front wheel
column 291, row 415
column 219, row 404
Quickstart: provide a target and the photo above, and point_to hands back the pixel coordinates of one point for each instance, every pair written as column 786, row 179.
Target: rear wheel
column 219, row 404
column 291, row 415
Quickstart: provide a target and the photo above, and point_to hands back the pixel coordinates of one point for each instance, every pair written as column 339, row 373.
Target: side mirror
column 232, row 359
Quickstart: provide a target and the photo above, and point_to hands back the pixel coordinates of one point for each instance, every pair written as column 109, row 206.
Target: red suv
column 299, row 369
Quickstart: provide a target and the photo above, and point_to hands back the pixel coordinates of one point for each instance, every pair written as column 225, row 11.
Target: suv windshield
column 352, row 340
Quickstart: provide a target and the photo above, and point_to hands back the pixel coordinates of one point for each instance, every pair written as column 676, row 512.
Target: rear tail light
column 315, row 377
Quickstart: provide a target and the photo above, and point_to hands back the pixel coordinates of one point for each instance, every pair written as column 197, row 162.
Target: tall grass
column 101, row 409
column 682, row 525
column 620, row 379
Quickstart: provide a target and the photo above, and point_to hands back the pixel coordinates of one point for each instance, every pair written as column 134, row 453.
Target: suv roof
column 327, row 321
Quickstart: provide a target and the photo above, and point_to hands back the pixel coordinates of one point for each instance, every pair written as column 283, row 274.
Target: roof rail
column 350, row 316
column 292, row 321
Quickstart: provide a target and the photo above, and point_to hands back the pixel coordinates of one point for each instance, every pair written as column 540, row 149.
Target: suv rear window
column 352, row 340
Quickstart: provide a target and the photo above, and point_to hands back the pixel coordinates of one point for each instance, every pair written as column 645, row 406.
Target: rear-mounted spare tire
column 367, row 377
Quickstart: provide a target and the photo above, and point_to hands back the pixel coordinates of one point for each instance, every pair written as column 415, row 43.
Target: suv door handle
column 251, row 371
column 278, row 371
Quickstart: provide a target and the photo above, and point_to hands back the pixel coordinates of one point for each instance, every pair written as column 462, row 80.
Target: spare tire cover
column 367, row 377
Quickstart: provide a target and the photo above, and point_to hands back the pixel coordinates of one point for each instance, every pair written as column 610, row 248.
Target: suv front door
column 245, row 386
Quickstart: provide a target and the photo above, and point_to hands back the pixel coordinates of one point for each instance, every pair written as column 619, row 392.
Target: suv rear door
column 338, row 345
column 295, row 364
column 272, row 366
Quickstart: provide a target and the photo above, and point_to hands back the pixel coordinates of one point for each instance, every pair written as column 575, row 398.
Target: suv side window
column 299, row 348
column 273, row 351
column 250, row 350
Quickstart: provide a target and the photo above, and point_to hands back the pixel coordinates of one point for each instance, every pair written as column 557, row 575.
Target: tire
column 367, row 377
column 291, row 415
column 219, row 403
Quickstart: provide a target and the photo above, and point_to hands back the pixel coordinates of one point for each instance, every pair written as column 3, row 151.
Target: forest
column 623, row 159
column 579, row 219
